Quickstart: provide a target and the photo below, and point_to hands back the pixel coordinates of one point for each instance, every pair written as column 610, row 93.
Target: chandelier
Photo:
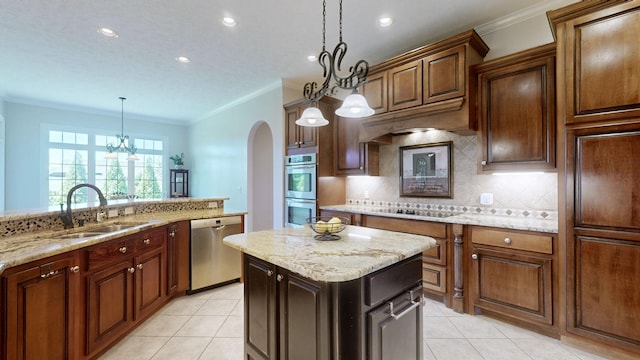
column 355, row 105
column 124, row 140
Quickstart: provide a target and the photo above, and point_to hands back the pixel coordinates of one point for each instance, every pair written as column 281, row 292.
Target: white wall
column 23, row 177
column 218, row 146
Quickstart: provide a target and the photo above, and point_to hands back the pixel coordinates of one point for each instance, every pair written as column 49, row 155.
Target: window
column 80, row 157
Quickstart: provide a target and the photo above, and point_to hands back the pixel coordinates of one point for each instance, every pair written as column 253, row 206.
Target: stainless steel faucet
column 67, row 217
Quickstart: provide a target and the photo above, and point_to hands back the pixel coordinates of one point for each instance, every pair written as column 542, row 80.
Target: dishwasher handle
column 215, row 222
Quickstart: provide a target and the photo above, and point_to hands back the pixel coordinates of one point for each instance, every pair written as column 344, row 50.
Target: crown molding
column 521, row 16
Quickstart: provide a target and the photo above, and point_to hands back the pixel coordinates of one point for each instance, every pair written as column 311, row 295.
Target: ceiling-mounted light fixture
column 355, row 105
column 124, row 140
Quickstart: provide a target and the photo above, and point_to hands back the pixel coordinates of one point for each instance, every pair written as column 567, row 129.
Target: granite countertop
column 507, row 222
column 358, row 252
column 21, row 249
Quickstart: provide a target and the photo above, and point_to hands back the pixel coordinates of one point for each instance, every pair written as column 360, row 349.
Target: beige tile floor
column 208, row 326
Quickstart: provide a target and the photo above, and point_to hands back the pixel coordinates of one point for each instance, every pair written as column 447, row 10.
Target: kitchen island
column 354, row 298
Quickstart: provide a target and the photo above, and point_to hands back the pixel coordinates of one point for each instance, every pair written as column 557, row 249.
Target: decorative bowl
column 326, row 227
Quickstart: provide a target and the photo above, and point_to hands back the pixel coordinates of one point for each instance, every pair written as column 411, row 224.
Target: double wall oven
column 300, row 189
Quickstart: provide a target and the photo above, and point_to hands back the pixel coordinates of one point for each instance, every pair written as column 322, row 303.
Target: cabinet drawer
column 146, row 240
column 433, row 229
column 434, row 278
column 513, row 240
column 105, row 254
column 388, row 282
column 436, row 255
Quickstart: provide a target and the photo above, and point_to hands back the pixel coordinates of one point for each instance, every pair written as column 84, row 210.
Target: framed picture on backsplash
column 425, row 170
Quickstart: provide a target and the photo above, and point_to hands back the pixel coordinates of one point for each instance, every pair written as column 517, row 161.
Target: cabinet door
column 405, row 86
column 301, row 323
column 444, row 75
column 512, row 284
column 178, row 237
column 517, row 115
column 394, row 329
column 292, row 114
column 308, row 135
column 150, row 282
column 109, row 301
column 351, row 156
column 42, row 303
column 375, row 91
column 260, row 310
column 601, row 54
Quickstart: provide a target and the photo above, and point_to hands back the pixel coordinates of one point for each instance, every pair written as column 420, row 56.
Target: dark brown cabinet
column 599, row 126
column 375, row 91
column 405, row 86
column 288, row 316
column 353, row 157
column 516, row 113
column 512, row 276
column 42, row 296
column 178, row 237
column 298, row 136
column 444, row 75
column 126, row 282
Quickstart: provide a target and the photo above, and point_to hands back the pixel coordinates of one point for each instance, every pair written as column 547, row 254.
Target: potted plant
column 178, row 160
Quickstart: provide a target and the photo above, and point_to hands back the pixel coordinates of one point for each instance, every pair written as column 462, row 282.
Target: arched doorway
column 260, row 178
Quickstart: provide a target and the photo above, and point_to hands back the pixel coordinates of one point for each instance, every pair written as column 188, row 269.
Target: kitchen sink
column 102, row 230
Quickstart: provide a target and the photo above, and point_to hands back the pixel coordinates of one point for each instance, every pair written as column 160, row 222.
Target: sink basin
column 80, row 235
column 117, row 227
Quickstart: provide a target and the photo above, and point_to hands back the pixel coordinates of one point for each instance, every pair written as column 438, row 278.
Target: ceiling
column 52, row 54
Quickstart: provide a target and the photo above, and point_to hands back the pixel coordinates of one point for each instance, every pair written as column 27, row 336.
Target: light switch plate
column 486, row 198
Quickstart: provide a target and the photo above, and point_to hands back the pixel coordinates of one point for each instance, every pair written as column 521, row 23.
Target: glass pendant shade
column 312, row 116
column 355, row 106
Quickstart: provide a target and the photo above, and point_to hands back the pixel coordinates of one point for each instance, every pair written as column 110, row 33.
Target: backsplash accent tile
column 523, row 195
column 34, row 222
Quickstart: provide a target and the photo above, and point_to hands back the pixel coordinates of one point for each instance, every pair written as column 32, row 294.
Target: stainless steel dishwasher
column 212, row 262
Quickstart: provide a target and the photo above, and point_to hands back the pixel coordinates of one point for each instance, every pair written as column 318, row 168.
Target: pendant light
column 355, row 105
column 124, row 139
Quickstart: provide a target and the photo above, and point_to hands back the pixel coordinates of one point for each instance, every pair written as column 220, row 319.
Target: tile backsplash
column 512, row 194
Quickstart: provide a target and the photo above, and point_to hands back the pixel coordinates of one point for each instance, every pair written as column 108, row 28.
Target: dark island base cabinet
column 376, row 317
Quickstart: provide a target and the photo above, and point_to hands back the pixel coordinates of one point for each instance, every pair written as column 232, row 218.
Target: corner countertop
column 358, row 252
column 507, row 222
column 24, row 248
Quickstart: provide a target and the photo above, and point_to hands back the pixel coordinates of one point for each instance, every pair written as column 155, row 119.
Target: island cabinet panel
column 288, row 316
column 514, row 276
column 42, row 308
column 260, row 309
column 516, row 112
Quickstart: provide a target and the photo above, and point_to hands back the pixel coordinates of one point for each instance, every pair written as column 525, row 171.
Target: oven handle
column 298, row 167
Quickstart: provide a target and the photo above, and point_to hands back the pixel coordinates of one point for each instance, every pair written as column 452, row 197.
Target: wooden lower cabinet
column 126, row 283
column 513, row 276
column 178, row 242
column 291, row 317
column 42, row 295
column 435, row 281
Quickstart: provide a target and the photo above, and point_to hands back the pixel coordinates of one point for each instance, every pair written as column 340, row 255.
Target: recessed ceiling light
column 108, row 32
column 228, row 21
column 183, row 59
column 385, row 21
column 312, row 58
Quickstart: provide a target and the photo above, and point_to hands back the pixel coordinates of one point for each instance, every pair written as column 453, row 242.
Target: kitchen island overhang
column 354, row 298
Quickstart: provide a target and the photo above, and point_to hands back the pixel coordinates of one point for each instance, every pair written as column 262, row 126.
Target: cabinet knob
column 147, row 241
column 474, row 256
column 484, row 162
column 269, row 272
column 123, row 249
column 361, row 168
column 172, row 233
column 279, row 277
column 132, row 270
column 139, row 266
column 507, row 241
column 74, row 269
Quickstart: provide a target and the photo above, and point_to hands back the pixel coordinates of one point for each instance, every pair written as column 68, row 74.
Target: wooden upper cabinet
column 298, row 136
column 351, row 156
column 600, row 54
column 375, row 91
column 405, row 86
column 444, row 75
column 516, row 112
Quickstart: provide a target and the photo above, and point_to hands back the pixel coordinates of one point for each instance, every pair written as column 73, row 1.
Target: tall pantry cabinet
column 598, row 102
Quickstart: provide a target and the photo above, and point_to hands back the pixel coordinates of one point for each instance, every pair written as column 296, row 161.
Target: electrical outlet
column 128, row 211
column 366, row 194
column 213, row 205
column 486, row 198
column 112, row 213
